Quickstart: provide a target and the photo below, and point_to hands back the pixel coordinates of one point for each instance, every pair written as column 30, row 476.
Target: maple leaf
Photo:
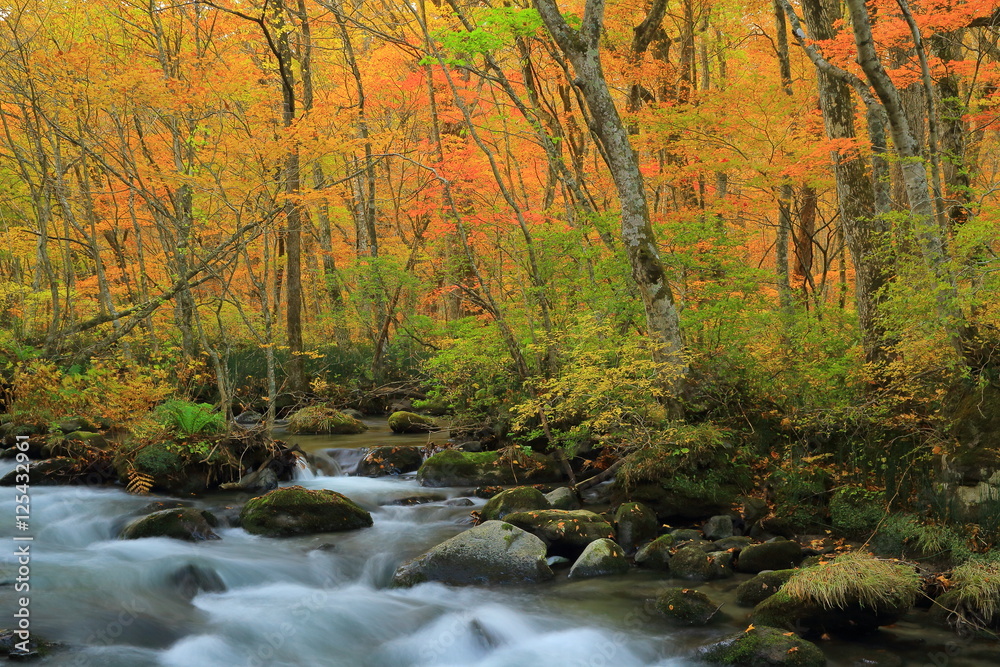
column 749, row 628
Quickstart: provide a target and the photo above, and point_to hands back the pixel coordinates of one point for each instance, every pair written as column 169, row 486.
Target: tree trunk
column 581, row 47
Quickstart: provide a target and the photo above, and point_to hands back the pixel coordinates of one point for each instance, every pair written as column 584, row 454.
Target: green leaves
column 189, row 418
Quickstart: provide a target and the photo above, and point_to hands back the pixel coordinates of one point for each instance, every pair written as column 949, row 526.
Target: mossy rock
column 854, row 593
column 11, row 645
column 169, row 471
column 321, row 420
column 563, row 498
column 75, row 424
column 390, row 460
column 691, row 486
column 692, row 562
column 520, row 499
column 635, row 525
column 856, row 512
column 411, row 422
column 763, row 646
column 685, row 606
column 495, row 552
column 656, row 555
column 295, row 510
column 762, row 586
column 566, row 532
column 776, row 554
column 49, row 472
column 186, row 523
column 599, row 559
column 455, row 468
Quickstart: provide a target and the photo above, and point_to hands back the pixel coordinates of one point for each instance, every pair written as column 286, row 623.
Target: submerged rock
column 192, row 579
column 294, row 510
column 567, row 532
column 764, row 647
column 685, row 606
column 495, row 552
column 520, row 499
column 186, row 523
column 601, row 558
column 410, row 422
column 390, row 460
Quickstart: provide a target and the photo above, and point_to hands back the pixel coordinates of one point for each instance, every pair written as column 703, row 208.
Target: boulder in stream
column 775, row 554
column 692, row 562
column 636, row 524
column 321, row 420
column 685, row 606
column 185, row 523
column 763, row 647
column 520, row 499
column 495, row 552
column 410, row 422
column 294, row 510
column 566, row 532
column 601, row 558
column 390, row 460
column 50, row 472
column 563, row 498
column 656, row 554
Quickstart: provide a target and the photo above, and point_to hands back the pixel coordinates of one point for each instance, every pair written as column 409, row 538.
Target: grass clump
column 321, row 420
column 856, row 578
column 977, row 590
column 909, row 536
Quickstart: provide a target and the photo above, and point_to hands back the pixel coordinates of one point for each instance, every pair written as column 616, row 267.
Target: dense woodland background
column 241, row 200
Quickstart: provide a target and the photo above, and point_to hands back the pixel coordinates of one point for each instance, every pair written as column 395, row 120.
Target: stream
column 324, row 599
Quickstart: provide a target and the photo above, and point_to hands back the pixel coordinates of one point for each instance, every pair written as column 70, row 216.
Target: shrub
column 188, row 418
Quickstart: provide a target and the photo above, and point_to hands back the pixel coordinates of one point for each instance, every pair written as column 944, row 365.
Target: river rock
column 656, row 554
column 50, row 472
column 775, row 554
column 192, row 579
column 685, row 606
column 736, row 542
column 635, row 524
column 562, row 498
column 186, row 523
column 259, row 481
column 294, row 510
column 390, row 460
column 691, row 562
column 495, row 552
column 686, row 534
column 762, row 586
column 402, row 421
column 322, row 420
column 520, row 499
column 763, row 647
column 601, row 558
column 454, row 468
column 249, row 418
column 718, row 527
column 566, row 532
column 11, row 646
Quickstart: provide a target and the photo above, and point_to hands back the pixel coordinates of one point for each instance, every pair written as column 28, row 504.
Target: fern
column 139, row 483
column 189, row 418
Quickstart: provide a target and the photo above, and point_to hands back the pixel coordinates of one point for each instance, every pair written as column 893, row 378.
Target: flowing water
column 325, row 600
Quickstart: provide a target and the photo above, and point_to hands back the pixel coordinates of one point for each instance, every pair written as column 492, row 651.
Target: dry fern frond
column 139, row 483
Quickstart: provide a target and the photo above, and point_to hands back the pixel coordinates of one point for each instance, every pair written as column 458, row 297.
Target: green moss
column 157, row 460
column 410, row 422
column 856, row 512
column 518, row 499
column 295, row 510
column 180, row 524
column 321, row 420
column 764, row 647
column 762, row 586
column 685, row 606
column 905, row 535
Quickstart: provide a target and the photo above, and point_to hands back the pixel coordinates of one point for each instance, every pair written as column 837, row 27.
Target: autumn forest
column 594, row 224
